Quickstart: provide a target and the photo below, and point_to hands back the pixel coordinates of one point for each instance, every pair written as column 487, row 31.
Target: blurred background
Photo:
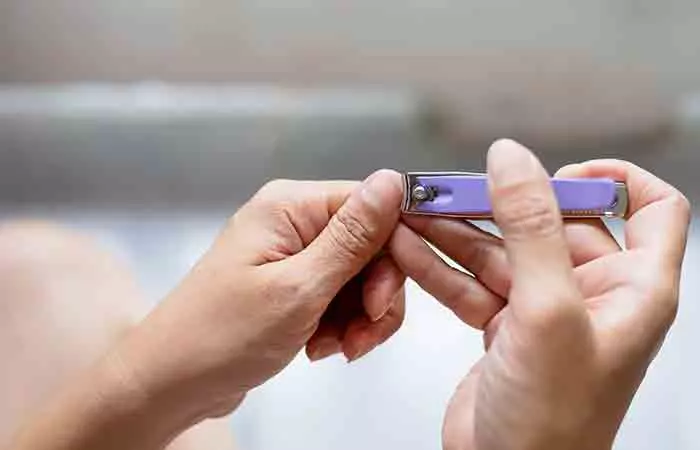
column 146, row 124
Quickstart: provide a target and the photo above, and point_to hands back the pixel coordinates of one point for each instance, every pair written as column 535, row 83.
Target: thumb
column 526, row 211
column 354, row 234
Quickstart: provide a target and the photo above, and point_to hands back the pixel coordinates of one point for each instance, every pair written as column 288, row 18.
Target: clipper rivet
column 420, row 193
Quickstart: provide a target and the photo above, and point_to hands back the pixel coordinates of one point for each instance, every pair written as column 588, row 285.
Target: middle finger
column 469, row 299
column 479, row 252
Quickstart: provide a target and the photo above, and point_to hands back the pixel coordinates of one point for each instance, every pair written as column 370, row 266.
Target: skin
column 65, row 301
column 566, row 355
column 569, row 329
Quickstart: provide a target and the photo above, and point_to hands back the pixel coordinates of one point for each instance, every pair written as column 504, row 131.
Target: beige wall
column 60, row 40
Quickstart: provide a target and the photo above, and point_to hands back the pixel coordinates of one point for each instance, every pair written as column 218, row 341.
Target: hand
column 299, row 265
column 583, row 320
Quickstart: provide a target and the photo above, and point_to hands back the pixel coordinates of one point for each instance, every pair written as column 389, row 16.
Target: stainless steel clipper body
column 465, row 195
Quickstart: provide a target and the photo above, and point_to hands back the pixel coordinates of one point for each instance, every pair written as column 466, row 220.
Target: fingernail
column 568, row 170
column 509, row 162
column 324, row 348
column 377, row 315
column 382, row 189
column 357, row 353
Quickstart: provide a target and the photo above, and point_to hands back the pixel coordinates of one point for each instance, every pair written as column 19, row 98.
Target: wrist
column 165, row 380
column 138, row 405
column 171, row 373
column 104, row 408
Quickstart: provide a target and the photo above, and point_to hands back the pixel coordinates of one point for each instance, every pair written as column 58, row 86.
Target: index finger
column 658, row 215
column 526, row 211
column 287, row 212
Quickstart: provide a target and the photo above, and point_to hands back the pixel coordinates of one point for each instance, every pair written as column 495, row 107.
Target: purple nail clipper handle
column 464, row 194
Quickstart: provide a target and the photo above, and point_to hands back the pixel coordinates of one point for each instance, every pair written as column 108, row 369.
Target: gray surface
column 185, row 40
column 156, row 146
column 188, row 146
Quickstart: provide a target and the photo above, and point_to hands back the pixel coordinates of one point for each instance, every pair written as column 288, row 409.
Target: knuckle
column 276, row 189
column 427, row 272
column 349, row 234
column 276, row 185
column 555, row 312
column 455, row 293
column 664, row 295
column 668, row 317
column 681, row 203
column 479, row 256
column 528, row 215
column 276, row 199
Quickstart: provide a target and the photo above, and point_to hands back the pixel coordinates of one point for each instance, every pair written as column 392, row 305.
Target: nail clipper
column 466, row 195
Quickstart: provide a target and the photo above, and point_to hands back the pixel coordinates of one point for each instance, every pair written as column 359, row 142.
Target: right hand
column 584, row 318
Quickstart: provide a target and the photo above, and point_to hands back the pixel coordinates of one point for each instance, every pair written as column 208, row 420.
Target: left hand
column 300, row 265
